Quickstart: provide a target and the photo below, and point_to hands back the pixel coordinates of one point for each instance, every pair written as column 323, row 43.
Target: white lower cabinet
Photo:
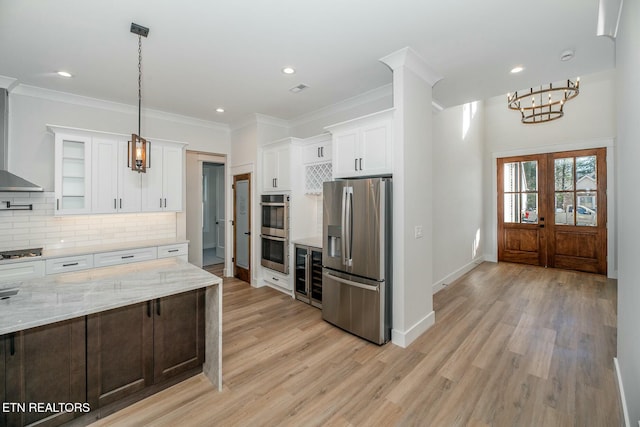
column 22, row 270
column 280, row 281
column 124, row 257
column 178, row 250
column 71, row 263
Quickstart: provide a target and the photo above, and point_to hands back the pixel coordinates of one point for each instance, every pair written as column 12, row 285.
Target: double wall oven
column 275, row 232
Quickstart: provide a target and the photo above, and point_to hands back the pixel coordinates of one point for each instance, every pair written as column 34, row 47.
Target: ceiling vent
column 299, row 88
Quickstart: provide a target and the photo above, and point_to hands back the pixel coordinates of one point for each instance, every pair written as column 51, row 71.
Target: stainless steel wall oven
column 275, row 232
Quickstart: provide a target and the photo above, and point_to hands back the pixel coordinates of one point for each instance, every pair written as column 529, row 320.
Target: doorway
column 213, row 208
column 242, row 227
column 552, row 210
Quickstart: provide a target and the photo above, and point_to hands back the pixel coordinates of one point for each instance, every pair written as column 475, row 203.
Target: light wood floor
column 512, row 346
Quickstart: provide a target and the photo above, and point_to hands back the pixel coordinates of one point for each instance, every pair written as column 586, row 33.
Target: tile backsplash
column 21, row 229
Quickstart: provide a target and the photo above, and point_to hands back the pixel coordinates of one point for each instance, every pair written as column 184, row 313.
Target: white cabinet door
column 345, row 154
column 162, row 183
column 375, row 149
column 104, row 175
column 72, row 173
column 276, row 165
column 129, row 182
column 172, row 162
column 152, row 193
column 317, row 153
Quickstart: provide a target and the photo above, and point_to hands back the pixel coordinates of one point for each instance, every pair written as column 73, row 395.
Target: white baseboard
column 443, row 283
column 403, row 339
column 623, row 400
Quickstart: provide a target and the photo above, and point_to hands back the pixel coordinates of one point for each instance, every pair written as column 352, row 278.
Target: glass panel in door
column 242, row 224
column 301, row 270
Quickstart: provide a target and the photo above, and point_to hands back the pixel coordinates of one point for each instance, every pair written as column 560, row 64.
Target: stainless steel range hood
column 9, row 181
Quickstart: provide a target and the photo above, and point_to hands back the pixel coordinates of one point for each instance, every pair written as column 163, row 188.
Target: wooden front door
column 552, row 210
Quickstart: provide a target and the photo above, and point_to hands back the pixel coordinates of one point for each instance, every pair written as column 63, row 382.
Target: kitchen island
column 105, row 326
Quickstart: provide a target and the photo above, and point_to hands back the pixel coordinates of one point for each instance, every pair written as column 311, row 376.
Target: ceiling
column 201, row 55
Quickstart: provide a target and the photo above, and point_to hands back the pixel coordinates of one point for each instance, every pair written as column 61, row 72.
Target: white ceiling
column 202, row 54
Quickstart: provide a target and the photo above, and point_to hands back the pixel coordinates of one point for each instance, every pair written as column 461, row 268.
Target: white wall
column 458, row 146
column 628, row 146
column 31, row 109
column 589, row 121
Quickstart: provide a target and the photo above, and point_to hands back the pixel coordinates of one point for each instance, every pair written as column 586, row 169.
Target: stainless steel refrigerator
column 357, row 257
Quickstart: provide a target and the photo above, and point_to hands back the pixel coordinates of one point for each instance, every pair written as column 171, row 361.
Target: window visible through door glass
column 576, row 191
column 521, row 192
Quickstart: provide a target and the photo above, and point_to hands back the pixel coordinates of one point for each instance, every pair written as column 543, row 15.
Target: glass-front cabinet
column 72, row 174
column 308, row 275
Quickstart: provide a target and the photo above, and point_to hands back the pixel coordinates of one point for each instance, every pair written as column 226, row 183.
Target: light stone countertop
column 65, row 296
column 315, row 241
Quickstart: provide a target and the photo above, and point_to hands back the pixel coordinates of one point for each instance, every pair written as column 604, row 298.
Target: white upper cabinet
column 317, row 149
column 93, row 174
column 276, row 167
column 162, row 183
column 363, row 146
column 115, row 187
column 72, row 173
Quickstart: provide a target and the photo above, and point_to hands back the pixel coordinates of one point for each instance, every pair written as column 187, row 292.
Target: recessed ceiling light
column 219, row 110
column 288, row 70
column 517, row 69
column 64, row 74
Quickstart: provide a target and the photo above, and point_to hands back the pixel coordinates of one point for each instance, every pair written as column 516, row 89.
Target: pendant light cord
column 139, row 81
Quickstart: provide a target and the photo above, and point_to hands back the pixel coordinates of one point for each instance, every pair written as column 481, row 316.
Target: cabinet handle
column 173, row 250
column 158, row 306
column 319, row 155
column 321, row 151
column 57, row 204
column 148, row 308
column 127, row 256
column 161, row 202
column 115, row 204
column 360, row 163
column 355, row 165
column 120, row 203
column 71, row 264
column 276, row 279
column 276, row 181
column 12, row 344
column 165, row 202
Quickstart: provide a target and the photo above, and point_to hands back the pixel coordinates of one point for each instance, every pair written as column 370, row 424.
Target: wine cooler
column 308, row 275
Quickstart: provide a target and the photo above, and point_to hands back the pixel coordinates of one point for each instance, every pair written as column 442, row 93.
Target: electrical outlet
column 418, row 232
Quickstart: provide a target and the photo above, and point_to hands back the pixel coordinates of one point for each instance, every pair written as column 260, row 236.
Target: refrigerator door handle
column 347, row 226
column 352, row 283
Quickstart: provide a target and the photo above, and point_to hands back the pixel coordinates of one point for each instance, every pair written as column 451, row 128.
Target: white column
column 413, row 207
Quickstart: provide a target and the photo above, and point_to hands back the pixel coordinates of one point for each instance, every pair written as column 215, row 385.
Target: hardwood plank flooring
column 512, row 345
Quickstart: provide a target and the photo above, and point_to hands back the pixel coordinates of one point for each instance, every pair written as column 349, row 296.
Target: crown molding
column 8, row 83
column 84, row 101
column 272, row 121
column 409, row 58
column 347, row 104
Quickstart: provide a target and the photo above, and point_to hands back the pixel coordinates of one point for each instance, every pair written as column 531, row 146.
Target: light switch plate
column 418, row 232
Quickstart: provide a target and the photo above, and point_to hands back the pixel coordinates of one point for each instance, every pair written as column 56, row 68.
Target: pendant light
column 138, row 146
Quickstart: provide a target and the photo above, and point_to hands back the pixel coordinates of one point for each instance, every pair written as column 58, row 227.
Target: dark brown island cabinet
column 130, row 353
column 44, row 365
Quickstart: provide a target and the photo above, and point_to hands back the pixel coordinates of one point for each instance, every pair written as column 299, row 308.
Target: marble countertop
column 65, row 296
column 314, row 241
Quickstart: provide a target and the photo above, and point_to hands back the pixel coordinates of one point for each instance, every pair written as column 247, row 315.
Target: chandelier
column 543, row 104
column 137, row 153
